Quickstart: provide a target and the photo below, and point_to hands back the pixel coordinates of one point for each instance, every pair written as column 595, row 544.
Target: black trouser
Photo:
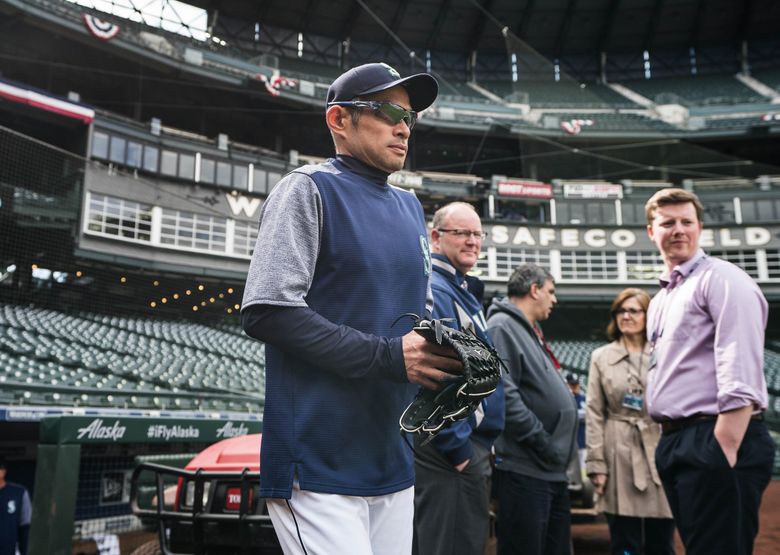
column 534, row 516
column 632, row 535
column 715, row 506
column 451, row 513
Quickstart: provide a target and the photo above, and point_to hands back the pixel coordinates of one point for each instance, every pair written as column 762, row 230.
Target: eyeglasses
column 392, row 113
column 464, row 233
column 629, row 311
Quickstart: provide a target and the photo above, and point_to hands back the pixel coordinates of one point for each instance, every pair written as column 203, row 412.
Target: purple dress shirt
column 706, row 325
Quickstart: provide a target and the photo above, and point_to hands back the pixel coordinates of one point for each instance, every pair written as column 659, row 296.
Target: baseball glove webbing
column 432, row 411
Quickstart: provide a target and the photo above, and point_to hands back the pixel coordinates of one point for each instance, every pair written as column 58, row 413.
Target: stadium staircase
column 695, row 90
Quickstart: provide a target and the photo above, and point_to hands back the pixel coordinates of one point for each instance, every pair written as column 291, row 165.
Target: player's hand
column 599, row 481
column 428, row 364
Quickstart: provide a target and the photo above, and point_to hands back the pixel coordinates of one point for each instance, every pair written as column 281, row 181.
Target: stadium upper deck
column 726, row 103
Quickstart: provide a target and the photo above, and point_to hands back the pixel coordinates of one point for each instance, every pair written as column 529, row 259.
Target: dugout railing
column 204, row 526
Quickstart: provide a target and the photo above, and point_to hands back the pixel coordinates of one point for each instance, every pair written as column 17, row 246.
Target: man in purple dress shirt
column 706, row 384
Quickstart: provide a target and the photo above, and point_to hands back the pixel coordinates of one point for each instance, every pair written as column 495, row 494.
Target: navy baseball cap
column 376, row 77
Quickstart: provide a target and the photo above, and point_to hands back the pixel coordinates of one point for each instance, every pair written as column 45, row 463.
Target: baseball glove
column 431, row 411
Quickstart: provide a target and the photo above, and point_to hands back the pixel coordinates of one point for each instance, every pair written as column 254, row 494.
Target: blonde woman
column 621, row 438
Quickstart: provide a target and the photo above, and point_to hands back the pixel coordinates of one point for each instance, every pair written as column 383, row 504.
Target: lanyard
column 546, row 347
column 660, row 323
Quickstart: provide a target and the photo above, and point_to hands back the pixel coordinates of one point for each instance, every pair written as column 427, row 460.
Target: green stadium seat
column 695, row 90
column 127, row 362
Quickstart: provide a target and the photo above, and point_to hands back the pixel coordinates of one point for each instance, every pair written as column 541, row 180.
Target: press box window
column 223, row 174
column 759, row 210
column 99, row 145
column 134, row 151
column 633, row 213
column 151, row 158
column 764, row 211
column 207, row 169
column 273, row 179
column 240, row 174
column 258, row 181
column 587, row 211
column 169, row 160
column 186, row 166
column 117, row 153
column 522, row 210
column 716, row 212
column 572, row 213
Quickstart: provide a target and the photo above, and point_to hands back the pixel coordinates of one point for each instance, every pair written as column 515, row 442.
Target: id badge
column 632, row 402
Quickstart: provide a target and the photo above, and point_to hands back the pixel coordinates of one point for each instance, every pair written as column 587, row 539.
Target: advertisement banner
column 109, row 429
column 592, row 190
column 624, row 238
column 523, row 188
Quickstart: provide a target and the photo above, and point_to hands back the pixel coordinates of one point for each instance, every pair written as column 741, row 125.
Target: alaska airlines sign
column 622, row 238
column 133, row 429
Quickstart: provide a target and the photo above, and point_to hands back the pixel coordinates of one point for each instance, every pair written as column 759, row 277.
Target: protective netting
column 80, row 332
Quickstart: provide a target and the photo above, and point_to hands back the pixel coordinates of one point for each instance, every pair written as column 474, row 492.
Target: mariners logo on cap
column 393, row 73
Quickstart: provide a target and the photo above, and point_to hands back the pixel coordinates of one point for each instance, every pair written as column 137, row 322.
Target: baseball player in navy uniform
column 340, row 256
column 15, row 515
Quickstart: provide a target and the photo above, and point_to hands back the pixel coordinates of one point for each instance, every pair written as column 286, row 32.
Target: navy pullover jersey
column 338, row 431
column 15, row 511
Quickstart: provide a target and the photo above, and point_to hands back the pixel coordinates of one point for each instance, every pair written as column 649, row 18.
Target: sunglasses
column 392, row 113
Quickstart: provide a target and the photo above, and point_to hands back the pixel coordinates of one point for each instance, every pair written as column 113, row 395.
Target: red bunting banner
column 274, row 84
column 103, row 30
column 574, row 126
